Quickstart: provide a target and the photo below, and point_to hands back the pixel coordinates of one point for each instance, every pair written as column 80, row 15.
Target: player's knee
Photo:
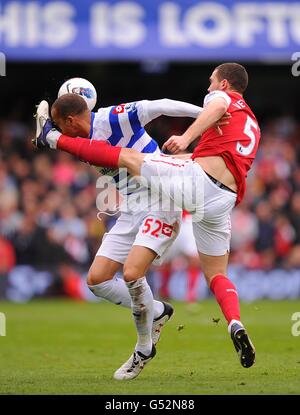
column 131, row 273
column 96, row 276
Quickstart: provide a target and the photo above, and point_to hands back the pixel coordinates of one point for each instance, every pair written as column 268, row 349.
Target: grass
column 64, row 347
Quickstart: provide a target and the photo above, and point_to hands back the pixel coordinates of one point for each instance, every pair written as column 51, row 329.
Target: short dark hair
column 70, row 104
column 235, row 74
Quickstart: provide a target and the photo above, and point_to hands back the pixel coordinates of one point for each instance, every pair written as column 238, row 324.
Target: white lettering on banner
column 100, row 24
column 193, row 29
column 294, row 11
column 278, row 22
column 32, row 24
column 10, row 27
column 247, row 24
column 59, row 30
column 120, row 24
column 276, row 15
column 130, row 30
column 169, row 27
column 217, row 35
column 124, row 24
column 254, row 18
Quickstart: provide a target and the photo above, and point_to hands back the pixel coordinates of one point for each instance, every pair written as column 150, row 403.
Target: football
column 82, row 87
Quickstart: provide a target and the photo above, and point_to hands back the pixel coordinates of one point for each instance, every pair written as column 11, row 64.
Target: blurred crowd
column 266, row 226
column 48, row 214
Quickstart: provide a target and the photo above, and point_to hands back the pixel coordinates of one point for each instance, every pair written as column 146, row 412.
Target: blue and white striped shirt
column 123, row 125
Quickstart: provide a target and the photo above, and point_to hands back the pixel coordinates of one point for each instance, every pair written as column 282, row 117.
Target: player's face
column 73, row 125
column 215, row 83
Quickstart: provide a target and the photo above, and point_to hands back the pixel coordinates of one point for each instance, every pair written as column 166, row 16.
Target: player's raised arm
column 212, row 112
column 149, row 110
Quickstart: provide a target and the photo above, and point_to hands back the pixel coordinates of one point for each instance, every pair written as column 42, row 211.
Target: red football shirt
column 239, row 142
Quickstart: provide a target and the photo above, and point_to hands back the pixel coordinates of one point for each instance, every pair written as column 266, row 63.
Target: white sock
column 231, row 323
column 158, row 308
column 116, row 291
column 142, row 311
column 52, row 138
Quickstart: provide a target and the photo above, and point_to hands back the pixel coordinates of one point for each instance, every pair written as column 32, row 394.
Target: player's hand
column 175, row 144
column 222, row 121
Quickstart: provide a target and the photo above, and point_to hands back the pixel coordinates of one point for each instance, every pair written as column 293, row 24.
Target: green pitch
column 64, row 347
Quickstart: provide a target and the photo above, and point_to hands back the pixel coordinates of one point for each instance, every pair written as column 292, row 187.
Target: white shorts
column 185, row 243
column 153, row 230
column 185, row 182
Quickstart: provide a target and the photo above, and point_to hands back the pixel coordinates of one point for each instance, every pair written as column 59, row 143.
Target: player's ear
column 224, row 84
column 69, row 120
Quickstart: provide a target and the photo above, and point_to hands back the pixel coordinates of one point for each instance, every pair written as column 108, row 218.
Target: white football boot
column 43, row 127
column 134, row 365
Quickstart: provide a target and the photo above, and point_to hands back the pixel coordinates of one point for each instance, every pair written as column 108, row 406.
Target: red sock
column 97, row 153
column 227, row 297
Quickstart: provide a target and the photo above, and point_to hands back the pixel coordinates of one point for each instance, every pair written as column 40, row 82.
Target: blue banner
column 150, row 29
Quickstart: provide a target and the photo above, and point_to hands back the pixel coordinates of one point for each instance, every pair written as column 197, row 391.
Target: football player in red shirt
column 208, row 185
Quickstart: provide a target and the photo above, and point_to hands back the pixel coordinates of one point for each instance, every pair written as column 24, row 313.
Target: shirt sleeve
column 149, row 110
column 216, row 94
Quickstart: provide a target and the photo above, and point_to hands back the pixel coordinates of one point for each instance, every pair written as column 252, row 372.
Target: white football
column 82, row 87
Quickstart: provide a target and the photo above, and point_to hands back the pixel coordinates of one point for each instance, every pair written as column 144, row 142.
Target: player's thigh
column 157, row 232
column 178, row 181
column 114, row 249
column 102, row 269
column 117, row 243
column 138, row 262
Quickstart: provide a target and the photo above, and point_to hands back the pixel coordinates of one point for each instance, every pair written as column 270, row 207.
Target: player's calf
column 142, row 312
